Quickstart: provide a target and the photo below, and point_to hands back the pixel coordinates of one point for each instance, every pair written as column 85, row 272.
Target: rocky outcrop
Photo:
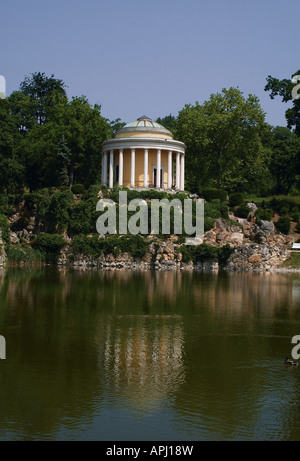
column 256, row 248
column 225, row 232
column 256, row 257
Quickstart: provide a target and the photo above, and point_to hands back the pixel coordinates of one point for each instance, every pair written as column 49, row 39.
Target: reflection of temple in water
column 142, row 355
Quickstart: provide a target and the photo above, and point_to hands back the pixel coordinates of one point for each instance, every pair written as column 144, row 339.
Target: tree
column 169, row 122
column 84, row 129
column 223, row 138
column 60, row 140
column 46, row 92
column 64, row 159
column 284, row 163
column 11, row 168
column 284, row 89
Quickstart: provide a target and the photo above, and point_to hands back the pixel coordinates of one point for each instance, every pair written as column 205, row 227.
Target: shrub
column 4, row 227
column 135, row 245
column 204, row 252
column 49, row 245
column 242, row 211
column 263, row 214
column 41, row 199
column 236, row 199
column 19, row 253
column 5, row 206
column 58, row 211
column 283, row 206
column 216, row 209
column 208, row 224
column 77, row 189
column 80, row 219
column 295, row 216
column 283, row 225
column 224, row 210
column 212, row 194
column 95, row 245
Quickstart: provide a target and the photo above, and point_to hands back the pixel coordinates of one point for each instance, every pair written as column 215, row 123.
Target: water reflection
column 202, row 351
column 142, row 357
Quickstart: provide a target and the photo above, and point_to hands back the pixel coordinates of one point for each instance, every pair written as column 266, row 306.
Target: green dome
column 144, row 126
column 144, row 122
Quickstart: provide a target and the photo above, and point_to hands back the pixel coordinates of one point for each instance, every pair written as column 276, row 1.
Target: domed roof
column 145, row 127
column 144, row 121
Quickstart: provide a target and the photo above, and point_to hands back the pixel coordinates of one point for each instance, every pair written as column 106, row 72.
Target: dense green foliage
column 214, row 194
column 48, row 140
column 4, row 228
column 206, row 252
column 284, row 88
column 283, row 224
column 224, row 142
column 94, row 246
column 242, row 211
column 50, row 167
column 49, row 245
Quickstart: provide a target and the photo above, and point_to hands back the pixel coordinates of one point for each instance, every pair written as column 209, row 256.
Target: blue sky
column 152, row 57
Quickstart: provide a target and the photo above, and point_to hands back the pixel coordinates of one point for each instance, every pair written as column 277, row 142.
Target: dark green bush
column 49, row 245
column 58, row 211
column 216, row 209
column 95, row 246
column 20, row 253
column 4, row 227
column 77, row 189
column 283, row 206
column 80, row 218
column 208, row 224
column 295, row 216
column 6, row 207
column 283, row 225
column 205, row 252
column 212, row 194
column 236, row 199
column 134, row 244
column 41, row 199
column 263, row 214
column 242, row 211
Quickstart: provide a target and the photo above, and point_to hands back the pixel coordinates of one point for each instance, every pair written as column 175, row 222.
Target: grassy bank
column 292, row 261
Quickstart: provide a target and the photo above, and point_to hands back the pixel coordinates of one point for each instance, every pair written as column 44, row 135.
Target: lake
column 154, row 356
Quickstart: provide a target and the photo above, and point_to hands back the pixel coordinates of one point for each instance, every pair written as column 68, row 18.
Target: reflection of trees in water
column 76, row 337
column 50, row 373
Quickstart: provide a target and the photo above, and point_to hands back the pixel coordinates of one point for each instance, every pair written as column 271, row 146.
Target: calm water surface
column 94, row 355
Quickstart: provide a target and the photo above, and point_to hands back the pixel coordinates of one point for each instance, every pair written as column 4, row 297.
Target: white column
column 146, row 168
column 111, row 170
column 158, row 166
column 132, row 170
column 177, row 170
column 182, row 172
column 104, row 180
column 169, row 169
column 121, row 167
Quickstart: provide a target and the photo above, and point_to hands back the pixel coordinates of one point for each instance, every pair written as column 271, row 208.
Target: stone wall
column 256, row 248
